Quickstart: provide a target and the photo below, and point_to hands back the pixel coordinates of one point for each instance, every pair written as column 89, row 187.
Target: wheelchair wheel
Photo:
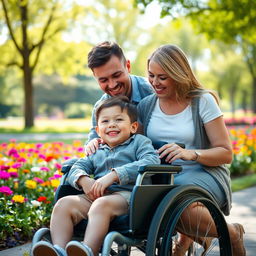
column 167, row 224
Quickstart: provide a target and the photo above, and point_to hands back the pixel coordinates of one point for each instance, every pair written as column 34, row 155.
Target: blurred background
column 45, row 84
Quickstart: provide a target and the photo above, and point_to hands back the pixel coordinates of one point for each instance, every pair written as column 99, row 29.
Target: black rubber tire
column 164, row 223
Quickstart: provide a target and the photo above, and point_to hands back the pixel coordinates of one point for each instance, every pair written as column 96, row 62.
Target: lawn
column 46, row 125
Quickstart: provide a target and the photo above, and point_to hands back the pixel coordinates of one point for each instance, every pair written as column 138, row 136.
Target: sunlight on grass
column 243, row 182
column 16, row 125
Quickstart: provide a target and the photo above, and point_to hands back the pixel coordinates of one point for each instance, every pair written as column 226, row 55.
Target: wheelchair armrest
column 160, row 168
column 157, row 169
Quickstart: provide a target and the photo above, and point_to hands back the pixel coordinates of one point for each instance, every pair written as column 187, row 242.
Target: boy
column 115, row 167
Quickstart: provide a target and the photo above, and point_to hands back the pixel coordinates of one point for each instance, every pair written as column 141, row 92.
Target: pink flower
column 58, row 166
column 80, row 150
column 39, row 145
column 12, row 152
column 6, row 190
column 16, row 165
column 14, row 174
column 38, row 180
column 22, row 160
column 4, row 167
column 42, row 156
column 44, row 168
column 4, row 175
column 55, row 176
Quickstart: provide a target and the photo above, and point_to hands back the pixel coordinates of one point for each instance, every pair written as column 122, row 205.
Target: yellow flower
column 18, row 199
column 12, row 170
column 55, row 183
column 30, row 184
column 16, row 184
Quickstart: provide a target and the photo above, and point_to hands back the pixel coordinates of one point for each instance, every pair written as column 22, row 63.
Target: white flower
column 35, row 203
column 35, row 169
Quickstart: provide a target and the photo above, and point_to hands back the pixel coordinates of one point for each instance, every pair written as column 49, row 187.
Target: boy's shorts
column 125, row 194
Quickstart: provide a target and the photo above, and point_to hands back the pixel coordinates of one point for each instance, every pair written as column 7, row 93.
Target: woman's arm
column 219, row 153
column 221, row 147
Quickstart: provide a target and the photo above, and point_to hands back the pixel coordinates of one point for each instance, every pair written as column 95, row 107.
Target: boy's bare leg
column 102, row 211
column 67, row 212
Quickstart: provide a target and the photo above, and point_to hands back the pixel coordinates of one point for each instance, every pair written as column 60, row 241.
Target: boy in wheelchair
column 114, row 168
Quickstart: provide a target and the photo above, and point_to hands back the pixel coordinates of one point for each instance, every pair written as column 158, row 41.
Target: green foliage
column 31, row 26
column 233, row 22
column 78, row 110
column 52, row 94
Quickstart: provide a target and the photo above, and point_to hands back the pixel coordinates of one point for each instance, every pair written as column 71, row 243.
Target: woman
column 181, row 110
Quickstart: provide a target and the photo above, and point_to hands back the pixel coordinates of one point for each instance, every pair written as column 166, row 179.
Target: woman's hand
column 173, row 152
column 93, row 146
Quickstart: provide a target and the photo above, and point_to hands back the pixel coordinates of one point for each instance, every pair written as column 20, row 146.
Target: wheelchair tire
column 166, row 221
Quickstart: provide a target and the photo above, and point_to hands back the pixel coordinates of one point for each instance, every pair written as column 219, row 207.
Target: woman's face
column 162, row 83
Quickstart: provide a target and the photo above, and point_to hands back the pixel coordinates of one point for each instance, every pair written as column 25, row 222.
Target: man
column 111, row 70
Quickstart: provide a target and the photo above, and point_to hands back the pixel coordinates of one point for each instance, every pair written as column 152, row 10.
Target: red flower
column 42, row 199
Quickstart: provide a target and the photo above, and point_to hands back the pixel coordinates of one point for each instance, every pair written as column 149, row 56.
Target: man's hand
column 99, row 187
column 93, row 146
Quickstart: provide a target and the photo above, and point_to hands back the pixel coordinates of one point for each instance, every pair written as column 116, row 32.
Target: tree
column 233, row 22
column 31, row 26
column 113, row 20
column 179, row 32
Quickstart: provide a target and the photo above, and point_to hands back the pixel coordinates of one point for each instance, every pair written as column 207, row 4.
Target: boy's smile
column 115, row 126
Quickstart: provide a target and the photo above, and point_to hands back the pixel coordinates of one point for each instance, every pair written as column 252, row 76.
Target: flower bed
column 244, row 149
column 240, row 121
column 30, row 173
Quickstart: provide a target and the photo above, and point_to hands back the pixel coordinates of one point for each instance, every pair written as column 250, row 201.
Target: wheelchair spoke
column 178, row 225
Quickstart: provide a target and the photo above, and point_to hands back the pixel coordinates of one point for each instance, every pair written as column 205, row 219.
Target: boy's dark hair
column 101, row 54
column 121, row 101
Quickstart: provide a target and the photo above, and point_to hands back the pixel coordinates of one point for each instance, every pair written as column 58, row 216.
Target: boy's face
column 115, row 126
column 113, row 77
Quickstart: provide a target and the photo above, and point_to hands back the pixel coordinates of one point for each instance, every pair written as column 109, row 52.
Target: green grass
column 243, row 182
column 16, row 125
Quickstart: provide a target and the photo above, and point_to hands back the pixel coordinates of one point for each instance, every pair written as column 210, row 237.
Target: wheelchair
column 154, row 219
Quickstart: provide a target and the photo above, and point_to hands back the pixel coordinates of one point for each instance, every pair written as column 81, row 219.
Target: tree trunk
column 254, row 95
column 28, row 89
column 232, row 101
column 244, row 101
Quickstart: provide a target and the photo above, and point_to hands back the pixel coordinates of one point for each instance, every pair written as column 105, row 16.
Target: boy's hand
column 93, row 146
column 100, row 185
column 86, row 183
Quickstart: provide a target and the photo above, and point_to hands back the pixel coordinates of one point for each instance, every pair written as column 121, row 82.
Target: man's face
column 114, row 126
column 113, row 77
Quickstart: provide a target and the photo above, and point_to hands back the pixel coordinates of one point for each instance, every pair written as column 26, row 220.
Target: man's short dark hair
column 123, row 102
column 101, row 54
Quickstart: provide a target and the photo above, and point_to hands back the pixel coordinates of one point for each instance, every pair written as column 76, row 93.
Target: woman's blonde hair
column 175, row 63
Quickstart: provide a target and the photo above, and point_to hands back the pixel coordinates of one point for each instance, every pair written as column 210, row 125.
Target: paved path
column 243, row 211
column 41, row 136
